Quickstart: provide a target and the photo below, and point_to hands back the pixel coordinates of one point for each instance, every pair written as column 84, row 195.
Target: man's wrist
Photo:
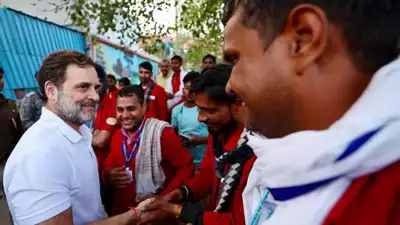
column 130, row 216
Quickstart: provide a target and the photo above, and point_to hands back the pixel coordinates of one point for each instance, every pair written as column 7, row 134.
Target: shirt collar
column 130, row 138
column 66, row 130
column 233, row 140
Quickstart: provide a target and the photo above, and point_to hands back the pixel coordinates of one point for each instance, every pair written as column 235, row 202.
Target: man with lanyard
column 146, row 157
column 175, row 83
column 31, row 107
column 320, row 81
column 224, row 170
column 155, row 96
column 193, row 134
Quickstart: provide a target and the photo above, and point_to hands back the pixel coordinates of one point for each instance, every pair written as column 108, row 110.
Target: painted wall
column 119, row 63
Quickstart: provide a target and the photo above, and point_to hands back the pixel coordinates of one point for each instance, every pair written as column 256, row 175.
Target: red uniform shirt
column 100, row 123
column 157, row 105
column 110, row 100
column 373, row 199
column 206, row 182
column 176, row 82
column 177, row 164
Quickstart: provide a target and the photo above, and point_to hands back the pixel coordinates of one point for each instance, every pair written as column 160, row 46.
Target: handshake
column 159, row 208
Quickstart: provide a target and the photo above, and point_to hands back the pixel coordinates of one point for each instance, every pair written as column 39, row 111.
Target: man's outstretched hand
column 152, row 210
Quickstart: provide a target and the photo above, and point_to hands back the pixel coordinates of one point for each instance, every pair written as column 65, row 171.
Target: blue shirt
column 185, row 121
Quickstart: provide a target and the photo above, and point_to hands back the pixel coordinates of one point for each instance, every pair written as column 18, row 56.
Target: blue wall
column 24, row 42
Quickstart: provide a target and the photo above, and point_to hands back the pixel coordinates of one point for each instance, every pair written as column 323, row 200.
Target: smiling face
column 75, row 100
column 130, row 112
column 262, row 79
column 218, row 117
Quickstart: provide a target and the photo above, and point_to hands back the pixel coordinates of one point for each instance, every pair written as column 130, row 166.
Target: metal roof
column 25, row 41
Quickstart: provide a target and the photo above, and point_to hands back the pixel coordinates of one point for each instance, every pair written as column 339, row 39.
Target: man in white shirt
column 51, row 177
column 174, row 84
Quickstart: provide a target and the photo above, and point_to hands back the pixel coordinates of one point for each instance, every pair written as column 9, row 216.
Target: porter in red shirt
column 176, row 162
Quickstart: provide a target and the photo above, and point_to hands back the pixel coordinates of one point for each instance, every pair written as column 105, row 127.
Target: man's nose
column 228, row 88
column 94, row 95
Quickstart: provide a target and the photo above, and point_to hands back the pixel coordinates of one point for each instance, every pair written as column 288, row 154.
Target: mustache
column 91, row 103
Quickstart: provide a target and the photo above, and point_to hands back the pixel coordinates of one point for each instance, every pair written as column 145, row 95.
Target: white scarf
column 365, row 140
column 150, row 176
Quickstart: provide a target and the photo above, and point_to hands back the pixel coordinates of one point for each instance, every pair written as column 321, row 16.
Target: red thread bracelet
column 134, row 211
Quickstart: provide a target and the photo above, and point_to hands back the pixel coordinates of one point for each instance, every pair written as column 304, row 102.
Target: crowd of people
column 298, row 125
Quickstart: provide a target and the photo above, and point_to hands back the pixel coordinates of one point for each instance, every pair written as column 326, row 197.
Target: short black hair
column 1, row 70
column 192, row 75
column 370, row 28
column 125, row 81
column 212, row 82
column 146, row 65
column 111, row 77
column 177, row 57
column 214, row 59
column 102, row 75
column 132, row 90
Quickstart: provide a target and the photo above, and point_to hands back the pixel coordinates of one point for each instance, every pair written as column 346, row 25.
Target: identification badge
column 111, row 121
column 129, row 172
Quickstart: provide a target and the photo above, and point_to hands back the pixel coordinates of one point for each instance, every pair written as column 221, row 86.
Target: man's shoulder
column 158, row 88
column 177, row 108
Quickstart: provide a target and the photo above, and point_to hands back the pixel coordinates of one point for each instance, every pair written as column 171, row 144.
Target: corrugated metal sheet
column 25, row 41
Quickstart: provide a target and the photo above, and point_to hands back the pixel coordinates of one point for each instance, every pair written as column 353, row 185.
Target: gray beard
column 72, row 111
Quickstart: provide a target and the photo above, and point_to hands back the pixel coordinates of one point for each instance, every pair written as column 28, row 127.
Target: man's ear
column 307, row 29
column 237, row 107
column 51, row 90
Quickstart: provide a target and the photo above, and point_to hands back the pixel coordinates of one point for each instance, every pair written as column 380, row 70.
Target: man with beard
column 320, row 81
column 146, row 156
column 51, row 177
column 224, row 170
column 155, row 97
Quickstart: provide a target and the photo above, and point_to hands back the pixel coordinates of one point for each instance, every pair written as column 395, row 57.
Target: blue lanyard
column 133, row 152
column 256, row 216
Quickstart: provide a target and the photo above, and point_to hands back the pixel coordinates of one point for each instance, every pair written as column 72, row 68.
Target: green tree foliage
column 135, row 20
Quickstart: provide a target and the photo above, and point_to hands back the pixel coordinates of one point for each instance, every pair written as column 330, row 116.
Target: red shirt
column 177, row 164
column 176, row 82
column 100, row 123
column 110, row 100
column 157, row 105
column 206, row 182
column 373, row 199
